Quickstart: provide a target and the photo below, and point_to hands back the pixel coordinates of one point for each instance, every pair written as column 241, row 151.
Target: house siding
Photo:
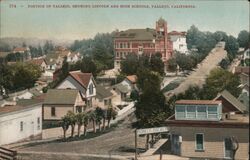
column 213, row 141
column 60, row 111
column 10, row 125
column 69, row 82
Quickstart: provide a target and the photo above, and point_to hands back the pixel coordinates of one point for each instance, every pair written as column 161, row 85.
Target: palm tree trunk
column 72, row 130
column 99, row 124
column 85, row 130
column 109, row 123
column 94, row 128
column 103, row 125
column 64, row 134
column 79, row 130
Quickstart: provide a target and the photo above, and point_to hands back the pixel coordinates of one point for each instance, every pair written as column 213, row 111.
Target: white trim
column 203, row 145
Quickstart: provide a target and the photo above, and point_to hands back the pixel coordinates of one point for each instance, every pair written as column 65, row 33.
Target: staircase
column 7, row 154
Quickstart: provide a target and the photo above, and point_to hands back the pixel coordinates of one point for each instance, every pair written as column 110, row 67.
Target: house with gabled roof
column 58, row 102
column 230, row 103
column 39, row 62
column 84, row 82
column 103, row 97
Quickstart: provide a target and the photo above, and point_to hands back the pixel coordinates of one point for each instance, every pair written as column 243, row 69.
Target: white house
column 179, row 41
column 73, row 57
column 20, row 122
column 84, row 82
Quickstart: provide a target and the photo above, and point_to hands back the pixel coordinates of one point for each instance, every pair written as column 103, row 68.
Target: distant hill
column 16, row 41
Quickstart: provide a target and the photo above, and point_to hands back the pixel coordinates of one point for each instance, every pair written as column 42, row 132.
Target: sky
column 18, row 19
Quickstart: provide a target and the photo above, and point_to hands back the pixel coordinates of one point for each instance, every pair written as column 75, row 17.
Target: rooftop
column 234, row 121
column 197, row 102
column 21, row 104
column 61, row 96
column 137, row 34
column 132, row 78
column 231, row 99
column 102, row 92
column 37, row 61
column 81, row 78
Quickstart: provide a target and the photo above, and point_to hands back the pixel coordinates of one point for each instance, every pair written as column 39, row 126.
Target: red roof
column 20, row 49
column 81, row 78
column 132, row 78
column 202, row 102
column 37, row 61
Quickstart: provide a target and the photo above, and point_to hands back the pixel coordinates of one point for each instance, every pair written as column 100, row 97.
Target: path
column 198, row 76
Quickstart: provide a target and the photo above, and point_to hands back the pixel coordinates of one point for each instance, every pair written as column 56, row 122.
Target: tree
column 231, row 47
column 172, row 65
column 92, row 117
column 224, row 63
column 88, row 66
column 65, row 125
column 156, row 64
column 185, row 62
column 111, row 114
column 130, row 64
column 72, row 118
column 85, row 123
column 79, row 121
column 219, row 80
column 243, row 39
column 151, row 108
column 134, row 95
column 99, row 116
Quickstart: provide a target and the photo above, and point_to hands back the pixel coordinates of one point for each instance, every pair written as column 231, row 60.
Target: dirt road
column 198, row 76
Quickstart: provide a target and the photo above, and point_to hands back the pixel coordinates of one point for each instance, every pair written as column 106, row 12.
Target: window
column 199, row 141
column 21, row 126
column 117, row 54
column 180, row 111
column 201, row 112
column 91, row 89
column 38, row 123
column 53, row 111
column 120, row 45
column 191, row 112
column 128, row 45
column 212, row 112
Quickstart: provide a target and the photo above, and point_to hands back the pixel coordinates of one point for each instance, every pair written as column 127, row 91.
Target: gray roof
column 21, row 104
column 122, row 88
column 234, row 101
column 61, row 96
column 102, row 93
column 137, row 34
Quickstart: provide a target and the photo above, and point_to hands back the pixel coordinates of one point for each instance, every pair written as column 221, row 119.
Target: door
column 228, row 148
column 175, row 144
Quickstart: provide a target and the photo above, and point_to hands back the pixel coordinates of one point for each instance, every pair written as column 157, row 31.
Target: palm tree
column 85, row 122
column 111, row 114
column 65, row 125
column 79, row 121
column 72, row 118
column 92, row 117
column 99, row 116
